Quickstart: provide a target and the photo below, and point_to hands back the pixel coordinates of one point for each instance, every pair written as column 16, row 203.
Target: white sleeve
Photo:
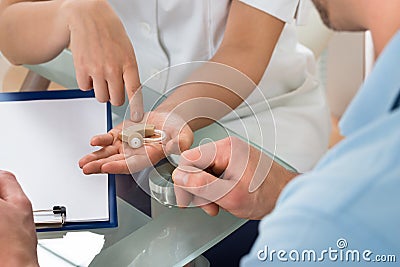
column 285, row 10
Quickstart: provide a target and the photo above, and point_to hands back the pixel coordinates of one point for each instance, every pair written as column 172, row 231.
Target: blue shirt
column 346, row 211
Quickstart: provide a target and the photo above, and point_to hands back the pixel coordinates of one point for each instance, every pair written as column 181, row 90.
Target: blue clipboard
column 73, row 94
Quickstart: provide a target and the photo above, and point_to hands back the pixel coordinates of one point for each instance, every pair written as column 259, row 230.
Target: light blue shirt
column 347, row 208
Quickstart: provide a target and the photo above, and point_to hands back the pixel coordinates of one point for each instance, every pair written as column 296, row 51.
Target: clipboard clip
column 50, row 218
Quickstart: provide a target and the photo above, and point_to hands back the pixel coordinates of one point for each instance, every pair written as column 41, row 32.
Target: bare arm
column 249, row 40
column 33, row 32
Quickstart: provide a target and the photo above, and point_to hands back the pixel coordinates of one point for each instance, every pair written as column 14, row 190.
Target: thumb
column 201, row 184
column 10, row 189
column 172, row 146
column 178, row 144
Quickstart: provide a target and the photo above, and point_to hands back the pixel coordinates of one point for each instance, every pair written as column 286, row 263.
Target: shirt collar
column 379, row 92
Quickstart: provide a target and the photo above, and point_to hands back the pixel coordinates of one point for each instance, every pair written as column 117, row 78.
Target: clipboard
column 45, row 103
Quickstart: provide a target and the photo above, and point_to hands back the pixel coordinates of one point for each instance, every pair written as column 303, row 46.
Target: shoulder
column 285, row 10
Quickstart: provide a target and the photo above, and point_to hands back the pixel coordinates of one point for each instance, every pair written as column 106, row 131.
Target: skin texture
column 116, row 156
column 246, row 48
column 329, row 13
column 103, row 55
column 20, row 246
column 18, row 236
column 242, row 57
column 232, row 175
column 380, row 17
column 193, row 181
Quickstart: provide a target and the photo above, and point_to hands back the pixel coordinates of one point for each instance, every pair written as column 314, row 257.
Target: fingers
column 116, row 167
column 83, row 79
column 101, row 89
column 136, row 106
column 184, row 198
column 130, row 165
column 132, row 87
column 207, row 156
column 210, row 208
column 117, row 164
column 11, row 191
column 138, row 163
column 178, row 144
column 116, row 89
column 96, row 166
column 109, row 86
column 172, row 146
column 103, row 153
column 102, row 140
column 202, row 184
column 109, row 63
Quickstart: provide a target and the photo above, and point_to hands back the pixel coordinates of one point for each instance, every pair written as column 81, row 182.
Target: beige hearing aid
column 139, row 134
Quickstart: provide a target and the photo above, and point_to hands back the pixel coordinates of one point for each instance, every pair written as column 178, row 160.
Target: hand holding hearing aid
column 131, row 147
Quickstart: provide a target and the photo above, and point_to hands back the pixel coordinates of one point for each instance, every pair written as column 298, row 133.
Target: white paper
column 42, row 141
column 49, row 259
column 76, row 248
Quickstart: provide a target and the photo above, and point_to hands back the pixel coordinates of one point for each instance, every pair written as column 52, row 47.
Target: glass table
column 148, row 233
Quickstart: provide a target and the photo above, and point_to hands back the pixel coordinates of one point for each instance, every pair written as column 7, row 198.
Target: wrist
column 69, row 16
column 69, row 11
column 269, row 191
column 185, row 115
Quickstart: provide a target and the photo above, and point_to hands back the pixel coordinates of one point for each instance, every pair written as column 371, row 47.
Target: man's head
column 344, row 15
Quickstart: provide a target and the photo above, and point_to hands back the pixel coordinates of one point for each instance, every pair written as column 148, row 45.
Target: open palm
column 118, row 157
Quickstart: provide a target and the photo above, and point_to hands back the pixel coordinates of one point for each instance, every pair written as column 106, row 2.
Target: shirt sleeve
column 285, row 10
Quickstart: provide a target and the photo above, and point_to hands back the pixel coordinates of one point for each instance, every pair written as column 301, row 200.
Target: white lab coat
column 169, row 32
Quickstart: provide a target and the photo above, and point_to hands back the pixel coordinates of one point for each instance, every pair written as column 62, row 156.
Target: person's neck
column 381, row 39
column 384, row 29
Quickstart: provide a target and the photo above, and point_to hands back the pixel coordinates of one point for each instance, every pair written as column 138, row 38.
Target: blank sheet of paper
column 42, row 141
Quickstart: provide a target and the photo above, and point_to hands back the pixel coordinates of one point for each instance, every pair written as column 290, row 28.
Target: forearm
column 223, row 86
column 32, row 32
column 240, row 62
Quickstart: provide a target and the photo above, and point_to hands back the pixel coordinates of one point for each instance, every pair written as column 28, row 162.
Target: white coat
column 169, row 32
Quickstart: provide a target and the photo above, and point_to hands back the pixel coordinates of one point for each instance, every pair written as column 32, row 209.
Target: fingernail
column 137, row 116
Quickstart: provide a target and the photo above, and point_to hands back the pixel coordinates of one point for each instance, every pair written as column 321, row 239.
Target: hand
column 117, row 157
column 18, row 239
column 249, row 184
column 103, row 55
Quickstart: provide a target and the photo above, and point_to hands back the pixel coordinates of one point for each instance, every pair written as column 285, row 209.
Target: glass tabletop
column 149, row 234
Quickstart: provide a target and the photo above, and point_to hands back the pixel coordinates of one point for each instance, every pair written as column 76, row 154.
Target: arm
column 246, row 47
column 33, row 32
column 17, row 231
column 249, row 41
